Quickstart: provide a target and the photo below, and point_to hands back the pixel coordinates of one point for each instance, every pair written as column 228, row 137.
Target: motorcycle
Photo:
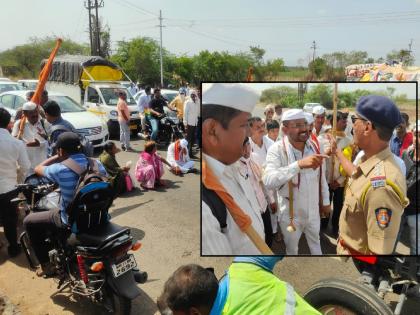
column 380, row 275
column 97, row 264
column 168, row 127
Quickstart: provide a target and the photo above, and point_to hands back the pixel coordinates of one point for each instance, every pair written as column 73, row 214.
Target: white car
column 28, row 84
column 308, row 107
column 9, row 86
column 85, row 122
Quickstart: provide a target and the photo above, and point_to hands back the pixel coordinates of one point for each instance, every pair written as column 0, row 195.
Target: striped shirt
column 67, row 180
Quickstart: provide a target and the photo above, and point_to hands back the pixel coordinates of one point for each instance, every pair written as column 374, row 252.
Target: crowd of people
column 302, row 171
column 41, row 142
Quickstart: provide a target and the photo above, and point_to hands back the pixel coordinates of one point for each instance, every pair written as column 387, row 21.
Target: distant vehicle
column 28, row 84
column 86, row 123
column 5, row 79
column 308, row 107
column 94, row 82
column 9, row 86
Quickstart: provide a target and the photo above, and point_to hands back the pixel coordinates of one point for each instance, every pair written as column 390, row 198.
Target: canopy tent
column 382, row 72
column 74, row 69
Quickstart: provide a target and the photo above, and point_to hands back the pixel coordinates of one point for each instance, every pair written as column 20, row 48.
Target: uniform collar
column 370, row 163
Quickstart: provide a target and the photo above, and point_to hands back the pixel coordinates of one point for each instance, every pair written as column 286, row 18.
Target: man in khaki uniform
column 375, row 196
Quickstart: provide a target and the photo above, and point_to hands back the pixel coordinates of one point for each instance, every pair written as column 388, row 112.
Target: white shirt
column 170, row 156
column 233, row 241
column 30, row 133
column 191, row 110
column 305, row 198
column 143, row 102
column 260, row 152
column 13, row 154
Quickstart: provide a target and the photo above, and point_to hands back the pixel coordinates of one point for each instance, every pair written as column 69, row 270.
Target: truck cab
column 101, row 98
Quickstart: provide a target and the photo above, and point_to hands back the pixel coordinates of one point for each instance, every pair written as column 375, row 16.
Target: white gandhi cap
column 318, row 110
column 293, row 114
column 29, row 106
column 234, row 95
column 309, row 118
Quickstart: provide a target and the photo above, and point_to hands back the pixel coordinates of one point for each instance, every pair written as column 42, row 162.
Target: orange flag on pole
column 45, row 72
column 243, row 221
column 42, row 80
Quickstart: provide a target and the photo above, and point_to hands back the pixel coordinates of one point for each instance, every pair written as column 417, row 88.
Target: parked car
column 86, row 123
column 28, row 84
column 6, row 79
column 9, row 86
column 308, row 107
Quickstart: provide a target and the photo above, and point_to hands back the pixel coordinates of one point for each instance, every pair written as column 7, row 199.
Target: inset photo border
column 310, row 168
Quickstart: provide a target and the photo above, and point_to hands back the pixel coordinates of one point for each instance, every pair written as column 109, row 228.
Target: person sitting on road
column 149, row 167
column 249, row 287
column 116, row 173
column 179, row 158
column 156, row 111
column 38, row 223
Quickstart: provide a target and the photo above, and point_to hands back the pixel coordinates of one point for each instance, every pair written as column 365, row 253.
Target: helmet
column 182, row 91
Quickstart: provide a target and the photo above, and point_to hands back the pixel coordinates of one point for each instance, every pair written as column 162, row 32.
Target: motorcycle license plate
column 133, row 127
column 124, row 266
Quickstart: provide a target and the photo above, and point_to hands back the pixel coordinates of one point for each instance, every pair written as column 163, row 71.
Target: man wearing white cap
column 178, row 157
column 225, row 112
column 293, row 169
column 319, row 117
column 32, row 130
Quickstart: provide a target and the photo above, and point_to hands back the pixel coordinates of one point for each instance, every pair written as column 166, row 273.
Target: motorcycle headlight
column 113, row 113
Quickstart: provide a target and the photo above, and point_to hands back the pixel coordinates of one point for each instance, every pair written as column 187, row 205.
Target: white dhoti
column 309, row 228
column 184, row 166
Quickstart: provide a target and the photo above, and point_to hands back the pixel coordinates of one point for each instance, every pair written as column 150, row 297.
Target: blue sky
column 285, row 29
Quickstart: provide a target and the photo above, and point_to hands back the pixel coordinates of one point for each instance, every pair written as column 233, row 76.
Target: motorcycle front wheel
column 339, row 296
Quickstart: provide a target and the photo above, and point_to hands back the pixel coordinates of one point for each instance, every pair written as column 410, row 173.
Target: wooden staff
column 243, row 221
column 334, row 129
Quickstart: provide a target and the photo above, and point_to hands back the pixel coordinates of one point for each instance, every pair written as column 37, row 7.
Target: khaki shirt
column 371, row 214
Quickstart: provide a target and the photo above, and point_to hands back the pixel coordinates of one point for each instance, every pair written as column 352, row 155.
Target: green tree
column 140, row 59
column 403, row 55
column 318, row 67
column 285, row 95
column 320, row 93
column 24, row 61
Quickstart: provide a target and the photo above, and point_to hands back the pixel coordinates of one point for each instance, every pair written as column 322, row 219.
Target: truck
column 93, row 81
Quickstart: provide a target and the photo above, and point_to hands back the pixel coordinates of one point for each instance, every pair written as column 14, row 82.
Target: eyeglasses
column 354, row 118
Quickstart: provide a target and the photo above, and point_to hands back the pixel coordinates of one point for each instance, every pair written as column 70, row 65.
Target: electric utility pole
column 94, row 30
column 314, row 48
column 161, row 58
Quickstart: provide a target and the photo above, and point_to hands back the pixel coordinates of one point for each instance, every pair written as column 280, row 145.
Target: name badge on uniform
column 383, row 217
column 378, row 181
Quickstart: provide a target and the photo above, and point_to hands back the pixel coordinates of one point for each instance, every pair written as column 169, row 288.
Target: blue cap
column 379, row 109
